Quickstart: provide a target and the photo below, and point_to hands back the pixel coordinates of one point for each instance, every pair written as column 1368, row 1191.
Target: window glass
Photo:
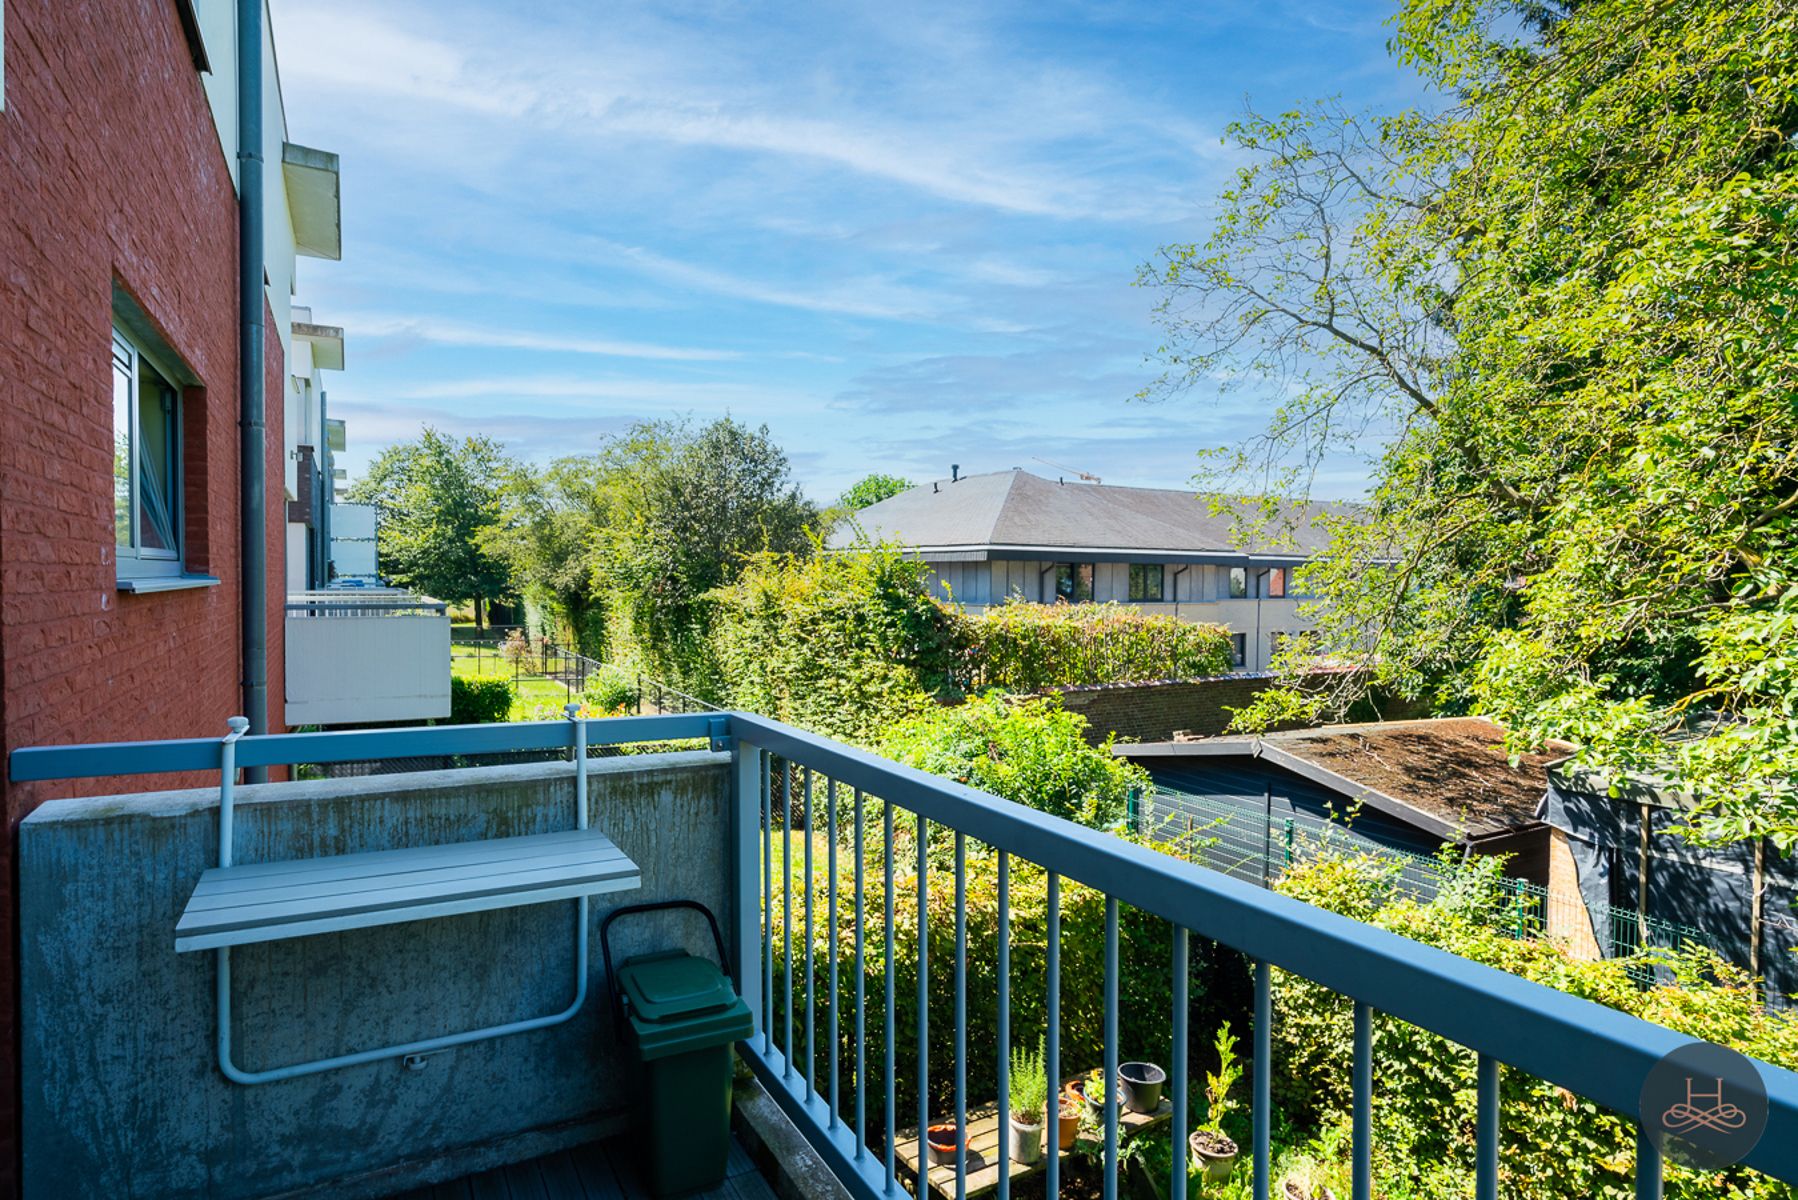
column 156, row 462
column 1239, row 649
column 1239, row 582
column 123, row 533
column 1146, row 582
column 1074, row 582
column 146, row 464
column 1276, row 582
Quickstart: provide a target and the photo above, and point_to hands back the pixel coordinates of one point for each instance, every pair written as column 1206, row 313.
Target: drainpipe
column 254, row 451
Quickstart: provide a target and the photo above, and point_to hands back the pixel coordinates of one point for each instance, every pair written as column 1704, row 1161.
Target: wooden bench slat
column 389, row 886
column 250, row 876
column 293, row 887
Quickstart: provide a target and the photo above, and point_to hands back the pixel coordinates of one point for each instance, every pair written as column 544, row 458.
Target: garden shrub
column 1024, row 647
column 1555, row 1144
column 479, row 701
column 1145, row 988
column 610, row 691
column 1032, row 751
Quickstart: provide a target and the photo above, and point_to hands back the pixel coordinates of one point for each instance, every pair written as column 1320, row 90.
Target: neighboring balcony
column 366, row 657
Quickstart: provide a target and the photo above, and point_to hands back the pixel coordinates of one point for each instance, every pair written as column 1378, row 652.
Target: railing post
column 228, row 788
column 745, row 918
column 579, row 753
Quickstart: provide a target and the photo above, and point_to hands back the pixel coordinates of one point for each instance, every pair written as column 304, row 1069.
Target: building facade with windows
column 1014, row 535
column 123, row 602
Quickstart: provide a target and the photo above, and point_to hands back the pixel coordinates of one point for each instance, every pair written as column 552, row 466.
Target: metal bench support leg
column 228, row 767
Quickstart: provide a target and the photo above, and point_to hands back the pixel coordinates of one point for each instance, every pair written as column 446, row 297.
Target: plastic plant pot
column 940, row 1143
column 1214, row 1151
column 1139, row 1086
column 1025, row 1144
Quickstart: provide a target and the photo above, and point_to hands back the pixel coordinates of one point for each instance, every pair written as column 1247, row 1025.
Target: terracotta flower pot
column 1068, row 1119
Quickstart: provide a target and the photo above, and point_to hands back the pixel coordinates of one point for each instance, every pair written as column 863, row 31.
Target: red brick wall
column 110, row 169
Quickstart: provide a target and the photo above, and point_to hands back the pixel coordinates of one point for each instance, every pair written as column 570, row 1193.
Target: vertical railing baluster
column 767, row 782
column 1648, row 1166
column 1110, row 1189
column 1177, row 1074
column 1052, row 1161
column 1004, row 1063
column 1263, row 1067
column 786, row 928
column 1485, row 1143
column 961, row 1016
column 811, row 974
column 1361, row 1154
column 830, row 867
column 923, row 1003
column 889, row 969
column 861, row 987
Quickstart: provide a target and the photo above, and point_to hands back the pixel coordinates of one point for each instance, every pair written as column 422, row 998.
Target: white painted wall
column 352, row 670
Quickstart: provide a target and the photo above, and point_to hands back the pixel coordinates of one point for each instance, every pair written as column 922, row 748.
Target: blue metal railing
column 1596, row 1052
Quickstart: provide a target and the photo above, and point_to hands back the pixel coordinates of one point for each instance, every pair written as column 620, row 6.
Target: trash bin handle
column 605, row 948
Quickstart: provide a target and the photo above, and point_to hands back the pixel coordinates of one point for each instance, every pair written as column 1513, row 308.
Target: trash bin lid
column 675, row 984
column 679, row 1003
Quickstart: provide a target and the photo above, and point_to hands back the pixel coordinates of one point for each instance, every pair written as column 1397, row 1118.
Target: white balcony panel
column 356, row 669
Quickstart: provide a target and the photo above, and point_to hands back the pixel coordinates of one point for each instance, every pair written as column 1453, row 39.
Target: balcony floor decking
column 596, row 1171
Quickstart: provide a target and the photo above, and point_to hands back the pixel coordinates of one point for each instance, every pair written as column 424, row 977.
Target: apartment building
column 1014, row 535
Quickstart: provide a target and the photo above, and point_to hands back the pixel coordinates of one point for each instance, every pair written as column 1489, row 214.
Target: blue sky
column 901, row 235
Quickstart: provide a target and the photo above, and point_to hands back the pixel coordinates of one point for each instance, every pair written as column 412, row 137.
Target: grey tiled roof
column 1017, row 509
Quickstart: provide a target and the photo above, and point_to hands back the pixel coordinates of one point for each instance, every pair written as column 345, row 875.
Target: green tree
column 549, row 536
column 700, row 502
column 1564, row 303
column 872, row 489
column 437, row 497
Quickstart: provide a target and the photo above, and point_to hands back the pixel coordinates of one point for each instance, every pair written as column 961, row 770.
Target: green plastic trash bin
column 682, row 1016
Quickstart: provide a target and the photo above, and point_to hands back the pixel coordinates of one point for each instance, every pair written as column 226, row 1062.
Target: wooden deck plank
column 594, row 1166
column 489, row 1185
column 561, row 1178
column 524, row 1181
column 406, row 895
column 984, row 1132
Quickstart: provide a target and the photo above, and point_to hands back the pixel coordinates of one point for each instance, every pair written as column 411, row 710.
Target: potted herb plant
column 1139, row 1086
column 941, row 1143
column 1210, row 1146
column 1029, row 1104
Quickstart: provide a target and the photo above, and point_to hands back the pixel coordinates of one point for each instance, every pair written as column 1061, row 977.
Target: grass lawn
column 533, row 694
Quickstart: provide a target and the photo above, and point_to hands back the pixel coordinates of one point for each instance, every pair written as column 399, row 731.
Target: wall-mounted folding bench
column 237, row 905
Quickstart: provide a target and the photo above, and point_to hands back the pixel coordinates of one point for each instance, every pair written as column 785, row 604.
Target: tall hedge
column 1023, row 647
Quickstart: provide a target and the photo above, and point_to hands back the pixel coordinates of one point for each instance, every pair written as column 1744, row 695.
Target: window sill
column 145, row 584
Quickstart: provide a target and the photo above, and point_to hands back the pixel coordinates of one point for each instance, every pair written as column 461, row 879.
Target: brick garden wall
column 111, row 171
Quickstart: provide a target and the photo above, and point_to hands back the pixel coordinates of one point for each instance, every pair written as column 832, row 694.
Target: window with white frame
column 146, row 463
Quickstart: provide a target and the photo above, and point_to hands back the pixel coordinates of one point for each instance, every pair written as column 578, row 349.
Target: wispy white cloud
column 448, row 332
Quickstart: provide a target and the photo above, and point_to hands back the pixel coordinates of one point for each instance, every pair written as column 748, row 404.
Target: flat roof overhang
column 313, row 200
column 326, row 342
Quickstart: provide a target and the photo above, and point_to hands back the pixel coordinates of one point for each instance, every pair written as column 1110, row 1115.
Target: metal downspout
column 253, row 453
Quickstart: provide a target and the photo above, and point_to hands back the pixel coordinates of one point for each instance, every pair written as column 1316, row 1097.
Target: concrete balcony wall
column 122, row 1094
column 350, row 669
